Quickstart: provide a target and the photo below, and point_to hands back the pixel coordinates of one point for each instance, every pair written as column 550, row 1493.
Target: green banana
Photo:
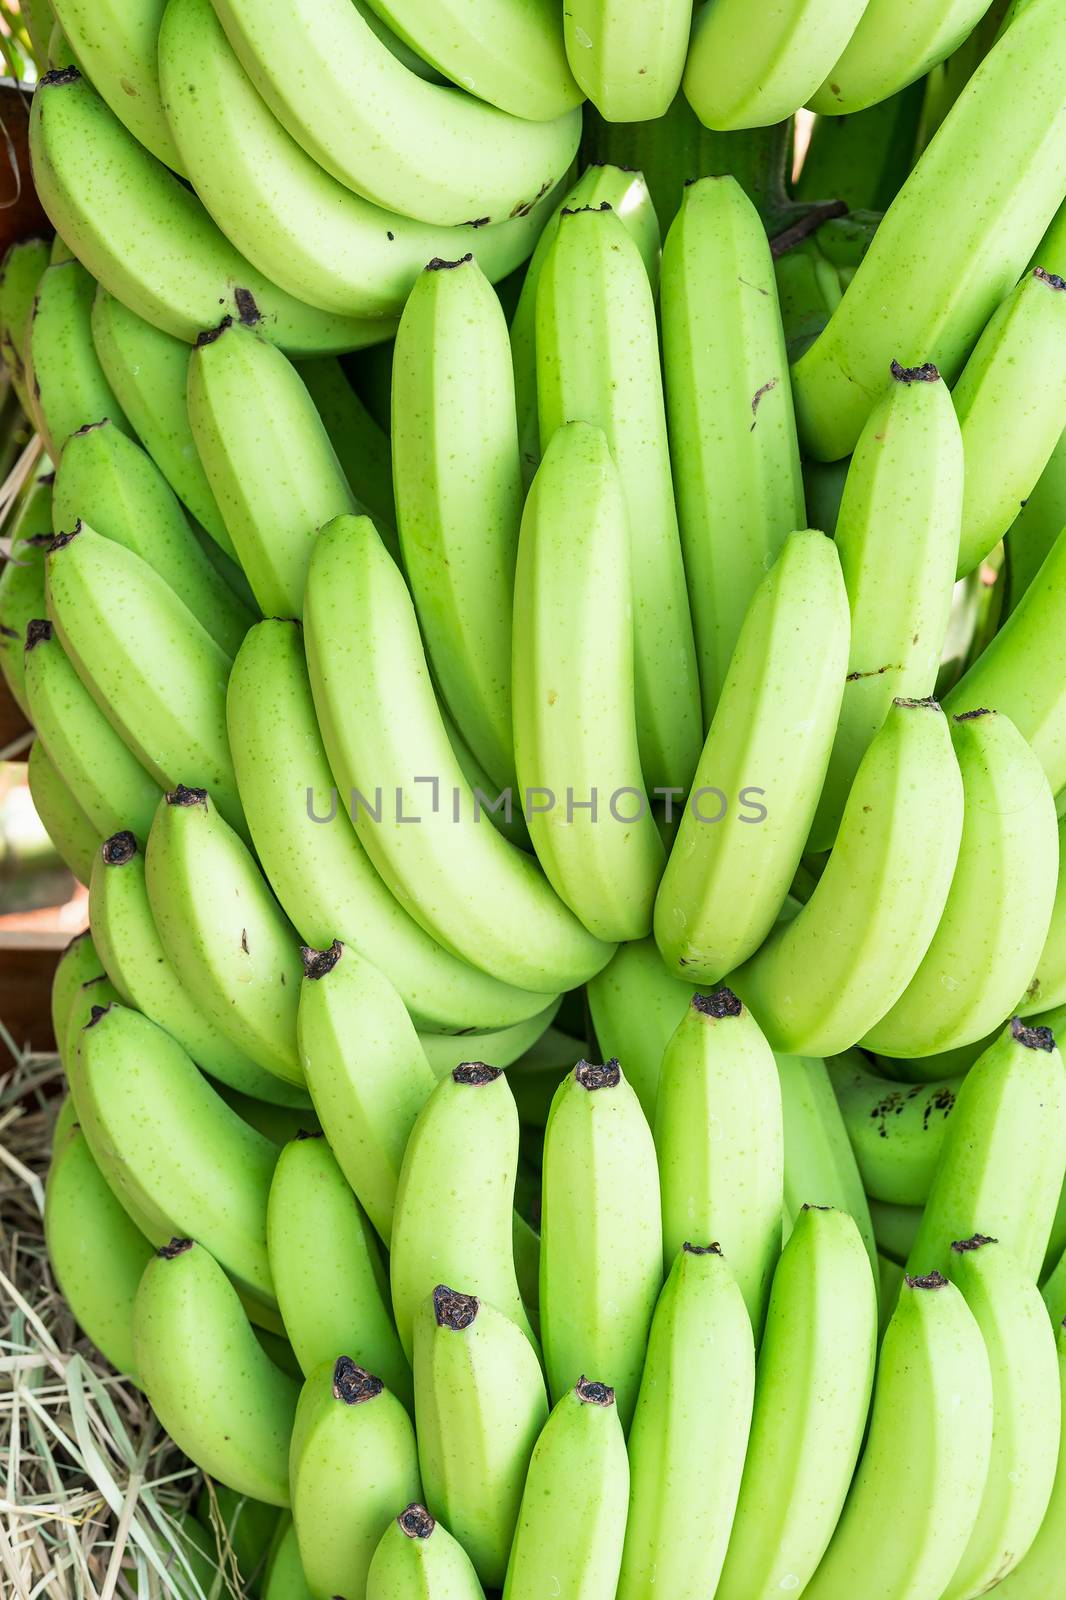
column 753, row 799
column 1003, row 1154
column 117, row 44
column 575, row 726
column 995, row 921
column 64, row 821
column 149, row 240
column 690, row 1431
column 1026, row 1400
column 458, row 487
column 636, row 1005
column 1038, row 1572
column 939, row 263
column 69, row 387
column 896, row 1130
column 601, row 1258
column 221, row 1399
column 331, row 1283
column 820, row 1163
column 417, row 1559
column 480, row 1406
column 899, row 592
column 1047, row 987
column 470, row 888
column 96, row 1253
column 284, row 1577
column 95, row 994
column 1015, row 371
column 926, row 1456
column 363, row 448
column 812, row 1394
column 460, row 1231
column 149, row 664
column 20, row 273
column 729, row 403
column 352, row 1461
column 78, row 964
column 720, row 1142
column 366, row 1070
column 628, row 61
column 825, row 976
column 446, row 1051
column 234, row 951
column 1037, row 525
column 22, row 579
column 890, row 46
column 598, row 362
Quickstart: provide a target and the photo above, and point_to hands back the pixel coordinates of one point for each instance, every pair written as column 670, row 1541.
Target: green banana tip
column 591, row 1075
column 929, row 1280
column 308, row 1133
column 722, row 1003
column 1038, row 1038
column 184, row 797
column 61, row 540
column 972, row 716
column 1052, row 279
column 578, row 211
column 416, row 1522
column 91, row 427
column 906, row 703
column 120, row 848
column 591, row 1393
column 438, row 264
column 317, row 963
column 38, row 631
column 209, row 335
column 77, row 939
column 927, row 372
column 95, row 1015
column 454, row 1310
column 176, row 1247
column 475, row 1074
column 352, row 1384
column 58, row 77
column 690, row 1249
column 976, row 1241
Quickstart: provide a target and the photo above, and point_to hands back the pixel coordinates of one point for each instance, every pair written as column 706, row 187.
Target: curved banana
column 446, row 1051
column 151, row 667
column 890, row 47
column 720, row 1142
column 23, row 265
column 939, row 264
column 64, row 821
column 575, row 726
column 628, row 59
column 221, row 1399
column 896, row 1130
column 1020, row 1342
column 458, row 486
column 233, row 950
column 812, row 1394
column 69, row 387
column 362, row 445
column 995, row 921
column 117, row 44
column 899, row 592
column 824, row 977
column 820, row 1169
column 1046, row 989
column 366, row 1070
column 690, row 1431
column 22, row 580
column 149, row 240
column 352, row 1461
column 1038, row 1572
column 459, row 1232
column 1016, row 371
column 1037, row 526
column 598, row 362
column 312, row 856
column 96, row 1253
column 636, row 1005
column 470, row 888
column 746, row 821
column 1003, row 1155
column 417, row 1559
column 284, row 1576
column 331, row 1282
column 480, row 1406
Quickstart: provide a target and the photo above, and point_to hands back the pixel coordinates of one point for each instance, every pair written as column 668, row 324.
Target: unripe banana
column 1046, row 989
column 896, row 1130
column 475, row 892
column 575, row 726
column 417, row 1559
column 820, row 1166
column 890, row 47
column 231, row 946
column 446, row 1051
column 720, row 1142
column 1003, row 1155
column 23, row 264
column 601, row 1259
column 480, row 1405
column 458, row 1232
column 598, row 362
column 117, row 44
column 221, row 1399
column 65, row 823
column 812, row 1394
column 69, row 387
column 926, row 1457
column 366, row 1070
column 628, row 60
column 689, row 1433
column 572, row 1522
column 362, row 446
column 329, row 1277
column 284, row 1577
column 352, row 1461
column 78, row 964
column 824, row 977
column 22, row 580
column 746, row 821
column 636, row 1005
column 1040, row 1570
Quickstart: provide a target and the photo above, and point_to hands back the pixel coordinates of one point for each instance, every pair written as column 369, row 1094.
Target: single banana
column 1026, row 1398
column 221, row 1399
column 820, row 1169
column 1046, row 989
column 926, row 1457
column 362, row 446
column 575, row 722
column 942, row 261
column 896, row 1130
column 234, row 951
column 149, row 664
column 366, row 1070
column 470, row 888
column 1038, row 1572
column 690, row 1431
column 636, row 1005
column 1015, row 371
column 746, row 821
column 311, row 853
column 480, row 1406
column 149, row 240
column 899, row 592
column 22, row 579
column 825, row 976
column 1037, row 526
column 117, row 44
column 628, row 60
column 331, row 1282
column 458, row 509
column 995, row 921
column 1003, row 1155
column 812, row 1394
column 69, row 387
column 284, row 1576
column 890, row 47
column 446, row 1051
column 23, row 265
column 352, row 1461
column 720, row 1142
column 417, row 1559
column 598, row 362
column 64, row 821
column 729, row 403
column 459, row 1232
